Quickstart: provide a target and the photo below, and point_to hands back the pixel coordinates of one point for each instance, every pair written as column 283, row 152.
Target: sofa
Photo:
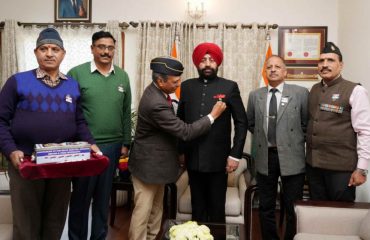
column 318, row 220
column 6, row 226
column 238, row 181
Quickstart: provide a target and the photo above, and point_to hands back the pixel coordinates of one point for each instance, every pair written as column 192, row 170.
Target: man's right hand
column 217, row 109
column 16, row 157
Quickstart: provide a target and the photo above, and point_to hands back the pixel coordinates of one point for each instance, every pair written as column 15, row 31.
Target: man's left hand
column 357, row 179
column 231, row 165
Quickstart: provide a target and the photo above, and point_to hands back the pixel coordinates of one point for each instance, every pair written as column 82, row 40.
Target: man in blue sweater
column 37, row 107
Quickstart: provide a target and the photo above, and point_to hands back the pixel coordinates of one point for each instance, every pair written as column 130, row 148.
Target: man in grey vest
column 338, row 134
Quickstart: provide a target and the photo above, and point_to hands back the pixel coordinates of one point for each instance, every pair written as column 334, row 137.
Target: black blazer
column 209, row 152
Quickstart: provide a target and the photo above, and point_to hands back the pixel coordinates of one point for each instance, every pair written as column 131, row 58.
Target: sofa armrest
column 242, row 188
column 329, row 217
column 6, row 216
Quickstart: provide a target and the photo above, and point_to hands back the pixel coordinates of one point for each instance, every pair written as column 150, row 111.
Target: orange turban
column 207, row 48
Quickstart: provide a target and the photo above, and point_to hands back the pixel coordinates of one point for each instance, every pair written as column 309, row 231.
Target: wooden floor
column 122, row 224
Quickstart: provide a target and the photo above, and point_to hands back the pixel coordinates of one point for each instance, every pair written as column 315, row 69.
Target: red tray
column 93, row 166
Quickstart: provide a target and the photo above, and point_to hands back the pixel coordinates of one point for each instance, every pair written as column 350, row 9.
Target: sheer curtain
column 154, row 41
column 9, row 59
column 76, row 40
column 114, row 28
column 244, row 51
column 19, row 43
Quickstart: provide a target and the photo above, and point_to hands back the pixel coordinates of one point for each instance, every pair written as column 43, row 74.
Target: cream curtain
column 114, row 28
column 244, row 51
column 76, row 40
column 18, row 43
column 154, row 41
column 9, row 59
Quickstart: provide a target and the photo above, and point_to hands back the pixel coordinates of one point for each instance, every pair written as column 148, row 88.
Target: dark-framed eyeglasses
column 102, row 47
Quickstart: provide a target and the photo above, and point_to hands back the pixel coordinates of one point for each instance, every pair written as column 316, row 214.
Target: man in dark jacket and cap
column 153, row 160
column 210, row 156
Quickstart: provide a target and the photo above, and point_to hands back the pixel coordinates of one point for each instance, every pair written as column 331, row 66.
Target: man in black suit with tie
column 210, row 157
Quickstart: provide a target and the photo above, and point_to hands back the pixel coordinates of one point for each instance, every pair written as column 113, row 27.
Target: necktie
column 169, row 100
column 75, row 7
column 271, row 132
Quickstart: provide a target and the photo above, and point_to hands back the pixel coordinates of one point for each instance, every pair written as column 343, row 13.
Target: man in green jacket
column 106, row 103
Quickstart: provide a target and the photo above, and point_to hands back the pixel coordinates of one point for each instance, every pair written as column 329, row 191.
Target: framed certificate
column 301, row 46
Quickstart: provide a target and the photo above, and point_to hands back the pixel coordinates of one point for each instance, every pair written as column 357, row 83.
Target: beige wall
column 347, row 21
column 354, row 36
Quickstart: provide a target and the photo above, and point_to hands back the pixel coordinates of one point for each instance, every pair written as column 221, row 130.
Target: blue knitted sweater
column 32, row 112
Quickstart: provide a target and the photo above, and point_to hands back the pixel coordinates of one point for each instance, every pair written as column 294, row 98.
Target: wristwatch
column 364, row 172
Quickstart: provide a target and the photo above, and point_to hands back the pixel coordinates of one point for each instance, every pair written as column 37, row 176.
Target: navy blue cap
column 49, row 36
column 167, row 65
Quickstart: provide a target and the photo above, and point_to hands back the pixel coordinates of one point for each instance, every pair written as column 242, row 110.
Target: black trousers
column 267, row 190
column 95, row 188
column 330, row 185
column 208, row 196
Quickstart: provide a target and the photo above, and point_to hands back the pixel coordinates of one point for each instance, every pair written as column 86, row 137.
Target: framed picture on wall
column 301, row 46
column 72, row 10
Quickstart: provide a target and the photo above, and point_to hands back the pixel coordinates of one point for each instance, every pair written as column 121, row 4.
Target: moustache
column 105, row 55
column 324, row 69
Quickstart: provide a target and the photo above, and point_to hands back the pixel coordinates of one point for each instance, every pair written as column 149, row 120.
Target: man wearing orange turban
column 208, row 157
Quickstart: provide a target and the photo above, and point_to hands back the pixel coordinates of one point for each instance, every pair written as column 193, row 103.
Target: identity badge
column 68, row 98
column 335, row 96
column 284, row 100
column 120, row 88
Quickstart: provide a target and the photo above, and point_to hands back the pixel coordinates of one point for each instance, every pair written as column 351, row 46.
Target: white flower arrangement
column 190, row 230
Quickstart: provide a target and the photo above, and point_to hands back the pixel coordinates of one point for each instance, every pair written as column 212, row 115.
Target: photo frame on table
column 301, row 46
column 72, row 10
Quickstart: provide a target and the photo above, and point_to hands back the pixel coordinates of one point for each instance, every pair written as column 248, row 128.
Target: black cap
column 49, row 36
column 332, row 48
column 167, row 65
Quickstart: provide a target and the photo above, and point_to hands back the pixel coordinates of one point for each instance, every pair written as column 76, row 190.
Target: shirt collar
column 42, row 74
column 93, row 68
column 280, row 87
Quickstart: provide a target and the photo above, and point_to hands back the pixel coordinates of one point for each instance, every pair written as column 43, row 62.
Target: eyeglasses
column 102, row 47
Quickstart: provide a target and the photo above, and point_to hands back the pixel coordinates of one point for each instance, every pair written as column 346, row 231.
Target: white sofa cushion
column 365, row 227
column 311, row 236
column 185, row 202
column 345, row 221
column 6, row 231
column 233, row 202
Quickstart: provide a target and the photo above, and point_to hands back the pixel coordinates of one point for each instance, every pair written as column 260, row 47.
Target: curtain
column 9, row 59
column 76, row 41
column 244, row 51
column 114, row 28
column 18, row 44
column 154, row 41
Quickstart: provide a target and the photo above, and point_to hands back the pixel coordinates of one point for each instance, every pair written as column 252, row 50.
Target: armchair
column 6, row 217
column 332, row 220
column 238, row 181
